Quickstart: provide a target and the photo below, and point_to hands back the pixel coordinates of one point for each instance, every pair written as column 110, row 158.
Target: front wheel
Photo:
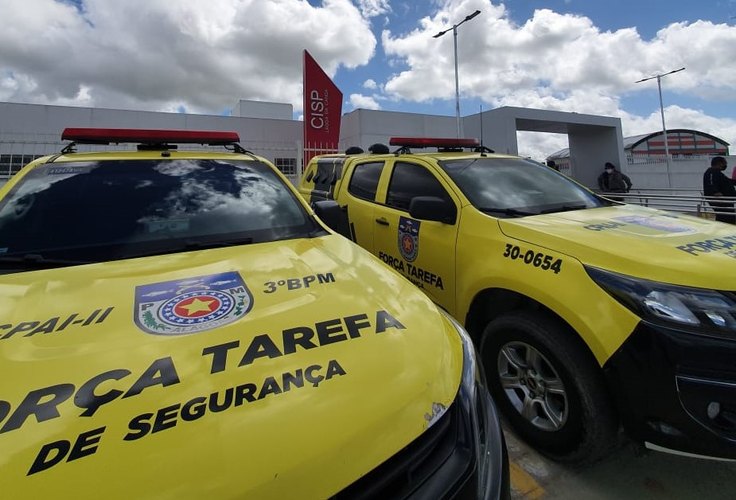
column 548, row 386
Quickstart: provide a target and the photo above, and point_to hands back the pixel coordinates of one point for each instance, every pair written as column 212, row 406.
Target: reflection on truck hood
column 638, row 241
column 231, row 372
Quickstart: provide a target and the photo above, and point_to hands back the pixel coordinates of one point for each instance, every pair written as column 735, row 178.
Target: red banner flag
column 322, row 110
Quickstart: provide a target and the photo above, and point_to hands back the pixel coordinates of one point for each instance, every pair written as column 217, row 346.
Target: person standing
column 716, row 184
column 613, row 181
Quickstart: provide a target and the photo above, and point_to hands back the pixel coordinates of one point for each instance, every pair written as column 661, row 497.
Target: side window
column 409, row 180
column 326, row 172
column 364, row 181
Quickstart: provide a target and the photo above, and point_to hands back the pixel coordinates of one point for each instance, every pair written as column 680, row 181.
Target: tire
column 549, row 387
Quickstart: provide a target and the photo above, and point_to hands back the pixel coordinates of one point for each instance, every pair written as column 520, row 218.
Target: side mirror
column 333, row 215
column 433, row 208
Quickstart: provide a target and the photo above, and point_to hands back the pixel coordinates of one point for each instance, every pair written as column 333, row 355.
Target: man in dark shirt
column 716, row 184
column 613, row 181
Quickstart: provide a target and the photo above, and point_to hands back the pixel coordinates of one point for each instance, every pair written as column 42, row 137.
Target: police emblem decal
column 666, row 223
column 409, row 238
column 191, row 305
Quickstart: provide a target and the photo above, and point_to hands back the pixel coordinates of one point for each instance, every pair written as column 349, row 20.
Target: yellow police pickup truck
column 588, row 313
column 178, row 324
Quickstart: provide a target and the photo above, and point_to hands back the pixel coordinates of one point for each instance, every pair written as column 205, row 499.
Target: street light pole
column 661, row 110
column 457, row 83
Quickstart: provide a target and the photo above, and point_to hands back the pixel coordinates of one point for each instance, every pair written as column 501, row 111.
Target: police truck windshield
column 107, row 210
column 516, row 187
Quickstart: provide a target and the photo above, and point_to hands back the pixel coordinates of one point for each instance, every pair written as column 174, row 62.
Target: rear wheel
column 548, row 386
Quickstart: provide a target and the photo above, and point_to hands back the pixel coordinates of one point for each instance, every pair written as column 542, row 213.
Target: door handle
column 382, row 221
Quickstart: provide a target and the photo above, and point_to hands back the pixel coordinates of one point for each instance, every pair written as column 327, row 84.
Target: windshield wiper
column 189, row 245
column 205, row 244
column 38, row 261
column 507, row 211
column 563, row 208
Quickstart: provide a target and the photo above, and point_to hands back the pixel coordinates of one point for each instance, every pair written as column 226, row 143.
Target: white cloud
column 203, row 56
column 563, row 62
column 373, row 8
column 363, row 101
column 539, row 146
column 158, row 54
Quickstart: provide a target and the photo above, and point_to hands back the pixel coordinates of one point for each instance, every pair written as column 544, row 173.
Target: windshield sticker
column 191, row 305
column 67, row 170
column 53, row 325
column 166, row 225
column 409, row 238
column 658, row 223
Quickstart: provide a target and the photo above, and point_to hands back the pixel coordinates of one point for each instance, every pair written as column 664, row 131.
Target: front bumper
column 461, row 455
column 677, row 390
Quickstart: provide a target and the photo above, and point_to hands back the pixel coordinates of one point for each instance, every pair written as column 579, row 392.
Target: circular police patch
column 408, row 247
column 196, row 307
column 191, row 305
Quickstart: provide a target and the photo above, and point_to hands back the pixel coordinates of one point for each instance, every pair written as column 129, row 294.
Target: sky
column 202, row 56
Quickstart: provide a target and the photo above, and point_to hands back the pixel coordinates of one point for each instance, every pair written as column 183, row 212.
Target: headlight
column 482, row 419
column 470, row 363
column 697, row 309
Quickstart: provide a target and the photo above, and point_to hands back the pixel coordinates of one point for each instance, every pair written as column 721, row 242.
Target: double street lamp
column 661, row 110
column 457, row 86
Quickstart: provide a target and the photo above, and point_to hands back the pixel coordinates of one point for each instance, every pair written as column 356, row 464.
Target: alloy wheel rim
column 533, row 386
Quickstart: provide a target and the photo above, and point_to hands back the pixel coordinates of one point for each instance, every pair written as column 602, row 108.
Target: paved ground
column 630, row 473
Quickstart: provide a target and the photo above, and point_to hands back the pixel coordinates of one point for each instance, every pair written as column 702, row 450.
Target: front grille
column 402, row 475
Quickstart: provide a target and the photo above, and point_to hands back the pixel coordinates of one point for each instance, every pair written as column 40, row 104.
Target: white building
column 28, row 131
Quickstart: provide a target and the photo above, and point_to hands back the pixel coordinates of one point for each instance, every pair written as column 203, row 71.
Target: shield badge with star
column 408, row 238
column 191, row 305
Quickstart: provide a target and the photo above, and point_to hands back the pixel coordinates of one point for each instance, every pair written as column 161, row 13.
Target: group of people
column 715, row 185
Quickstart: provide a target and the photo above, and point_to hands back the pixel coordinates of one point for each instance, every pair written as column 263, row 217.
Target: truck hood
column 244, row 371
column 638, row 241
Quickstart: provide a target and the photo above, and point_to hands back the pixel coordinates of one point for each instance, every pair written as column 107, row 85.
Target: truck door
column 422, row 250
column 360, row 197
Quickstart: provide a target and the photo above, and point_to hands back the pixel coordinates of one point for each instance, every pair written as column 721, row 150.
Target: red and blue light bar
column 147, row 136
column 433, row 142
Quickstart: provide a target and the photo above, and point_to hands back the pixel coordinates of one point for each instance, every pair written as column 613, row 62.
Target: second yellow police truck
column 588, row 313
